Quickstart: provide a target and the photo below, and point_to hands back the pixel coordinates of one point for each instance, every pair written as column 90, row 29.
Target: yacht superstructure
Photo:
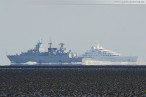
column 98, row 53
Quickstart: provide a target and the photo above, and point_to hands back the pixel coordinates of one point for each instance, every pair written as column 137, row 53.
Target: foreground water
column 73, row 81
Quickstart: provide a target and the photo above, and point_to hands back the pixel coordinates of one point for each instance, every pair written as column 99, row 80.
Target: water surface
column 71, row 81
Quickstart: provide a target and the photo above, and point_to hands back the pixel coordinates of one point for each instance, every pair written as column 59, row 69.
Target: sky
column 120, row 28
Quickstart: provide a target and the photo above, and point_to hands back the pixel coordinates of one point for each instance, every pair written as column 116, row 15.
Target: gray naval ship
column 52, row 56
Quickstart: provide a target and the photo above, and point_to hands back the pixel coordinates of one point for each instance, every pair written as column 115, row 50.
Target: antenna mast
column 61, row 45
column 50, row 43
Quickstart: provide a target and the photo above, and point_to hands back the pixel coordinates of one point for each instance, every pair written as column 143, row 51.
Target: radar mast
column 50, row 43
column 61, row 45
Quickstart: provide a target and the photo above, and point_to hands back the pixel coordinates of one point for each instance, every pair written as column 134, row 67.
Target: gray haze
column 120, row 28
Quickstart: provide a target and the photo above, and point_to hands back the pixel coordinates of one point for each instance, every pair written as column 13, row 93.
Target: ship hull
column 42, row 59
column 116, row 58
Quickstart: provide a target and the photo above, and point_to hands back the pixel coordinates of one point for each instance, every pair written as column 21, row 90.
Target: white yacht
column 98, row 53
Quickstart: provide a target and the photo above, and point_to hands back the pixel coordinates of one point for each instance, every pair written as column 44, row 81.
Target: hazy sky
column 120, row 28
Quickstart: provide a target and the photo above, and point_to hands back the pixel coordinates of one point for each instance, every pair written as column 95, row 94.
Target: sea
column 73, row 81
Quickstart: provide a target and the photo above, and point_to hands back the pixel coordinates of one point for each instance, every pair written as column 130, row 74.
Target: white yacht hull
column 116, row 58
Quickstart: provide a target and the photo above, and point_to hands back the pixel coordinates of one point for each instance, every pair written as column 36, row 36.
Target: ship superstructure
column 98, row 53
column 53, row 55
